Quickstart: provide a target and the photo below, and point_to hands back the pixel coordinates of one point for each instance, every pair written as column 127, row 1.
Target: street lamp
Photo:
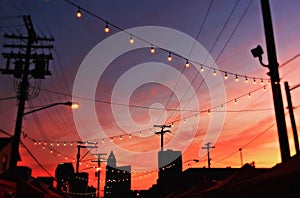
column 73, row 105
column 18, row 129
column 191, row 160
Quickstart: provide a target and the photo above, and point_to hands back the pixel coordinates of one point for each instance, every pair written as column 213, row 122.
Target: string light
column 249, row 95
column 226, row 76
column 201, row 69
column 235, row 101
column 246, row 79
column 214, row 73
column 170, row 57
column 39, row 142
column 78, row 13
column 131, row 40
column 121, row 138
column 254, row 81
column 106, row 29
column 187, row 64
column 265, row 88
column 152, row 50
column 262, row 81
column 236, row 78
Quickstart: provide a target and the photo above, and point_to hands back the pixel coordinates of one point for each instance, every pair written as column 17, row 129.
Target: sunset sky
column 227, row 29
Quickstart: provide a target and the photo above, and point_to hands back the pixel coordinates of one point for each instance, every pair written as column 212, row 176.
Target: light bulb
column 170, row 57
column 262, row 81
column 249, row 95
column 226, row 76
column 78, row 13
column 236, row 78
column 235, row 101
column 131, row 39
column 152, row 50
column 201, row 69
column 215, row 72
column 106, row 29
column 254, row 81
column 246, row 80
column 187, row 64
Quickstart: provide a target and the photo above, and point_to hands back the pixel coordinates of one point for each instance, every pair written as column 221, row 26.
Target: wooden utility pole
column 98, row 171
column 81, row 145
column 161, row 133
column 275, row 81
column 22, row 70
column 291, row 110
column 208, row 147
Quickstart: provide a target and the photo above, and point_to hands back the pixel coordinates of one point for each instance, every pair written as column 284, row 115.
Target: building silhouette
column 118, row 179
column 64, row 174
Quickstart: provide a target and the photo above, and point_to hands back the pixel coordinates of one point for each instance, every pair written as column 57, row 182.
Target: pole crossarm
column 161, row 133
column 208, row 147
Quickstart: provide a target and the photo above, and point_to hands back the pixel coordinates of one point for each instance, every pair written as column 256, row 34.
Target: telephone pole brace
column 22, row 62
column 207, row 147
column 161, row 133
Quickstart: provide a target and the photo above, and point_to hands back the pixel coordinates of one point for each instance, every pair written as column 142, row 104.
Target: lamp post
column 18, row 129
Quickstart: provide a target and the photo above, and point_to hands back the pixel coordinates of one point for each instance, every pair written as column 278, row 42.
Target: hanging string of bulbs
column 145, row 132
column 153, row 48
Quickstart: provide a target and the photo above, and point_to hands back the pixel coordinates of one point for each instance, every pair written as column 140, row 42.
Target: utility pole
column 161, row 133
column 208, row 147
column 98, row 171
column 241, row 155
column 81, row 145
column 291, row 110
column 275, row 80
column 22, row 70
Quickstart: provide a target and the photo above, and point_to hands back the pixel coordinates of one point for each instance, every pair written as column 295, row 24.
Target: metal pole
column 292, row 117
column 275, row 81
